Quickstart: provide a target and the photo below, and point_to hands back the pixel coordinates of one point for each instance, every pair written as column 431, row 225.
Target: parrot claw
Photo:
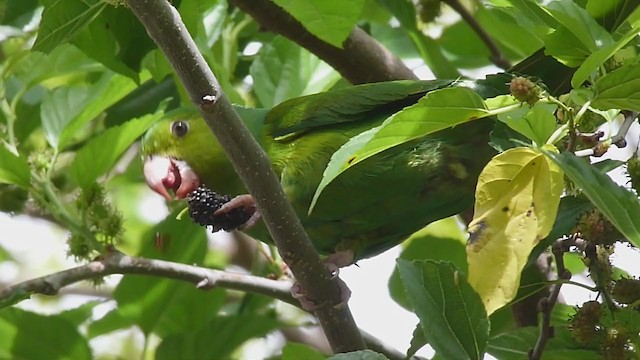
column 245, row 201
column 311, row 305
column 333, row 263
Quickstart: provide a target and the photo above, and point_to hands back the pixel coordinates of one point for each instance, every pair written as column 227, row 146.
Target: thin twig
column 115, row 262
column 497, row 57
column 618, row 139
column 546, row 304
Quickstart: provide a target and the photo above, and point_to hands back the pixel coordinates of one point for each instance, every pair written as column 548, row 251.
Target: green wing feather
column 347, row 105
column 380, row 202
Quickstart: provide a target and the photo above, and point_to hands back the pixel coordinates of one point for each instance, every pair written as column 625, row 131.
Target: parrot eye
column 179, row 128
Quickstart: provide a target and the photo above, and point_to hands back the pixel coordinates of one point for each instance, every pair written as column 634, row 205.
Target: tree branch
column 546, row 304
column 164, row 25
column 361, row 60
column 497, row 57
column 115, row 262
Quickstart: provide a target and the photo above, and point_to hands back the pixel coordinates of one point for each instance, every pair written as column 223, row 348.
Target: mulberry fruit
column 204, row 202
column 584, row 324
column 626, row 291
column 524, row 90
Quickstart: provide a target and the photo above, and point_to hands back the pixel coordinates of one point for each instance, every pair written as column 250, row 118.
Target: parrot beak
column 163, row 173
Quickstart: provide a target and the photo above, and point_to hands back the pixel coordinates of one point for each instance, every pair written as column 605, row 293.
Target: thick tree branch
column 164, row 25
column 361, row 60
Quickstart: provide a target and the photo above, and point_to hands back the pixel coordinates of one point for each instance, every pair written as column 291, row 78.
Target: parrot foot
column 245, row 201
column 311, row 305
column 333, row 263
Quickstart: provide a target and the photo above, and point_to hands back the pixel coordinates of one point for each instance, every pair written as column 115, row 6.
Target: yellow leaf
column 516, row 205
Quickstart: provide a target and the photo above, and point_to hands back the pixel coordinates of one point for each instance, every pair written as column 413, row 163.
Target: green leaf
column 106, row 94
column 596, row 59
column 216, row 340
column 66, row 110
column 15, row 9
column 14, row 169
column 442, row 240
column 64, row 19
column 92, row 160
column 578, row 21
column 295, row 351
column 403, row 11
column 566, row 47
column 158, row 305
column 205, row 20
column 463, row 47
column 516, row 344
column 110, row 322
column 65, row 65
column 536, row 123
column 432, row 54
column 450, row 311
column 284, row 70
column 618, row 204
column 61, row 106
column 78, row 315
column 619, row 89
column 27, row 335
column 438, row 110
column 606, row 165
column 507, row 32
column 418, row 341
column 117, row 39
column 329, row 20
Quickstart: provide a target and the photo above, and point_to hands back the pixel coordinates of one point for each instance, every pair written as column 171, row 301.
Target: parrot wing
column 380, row 202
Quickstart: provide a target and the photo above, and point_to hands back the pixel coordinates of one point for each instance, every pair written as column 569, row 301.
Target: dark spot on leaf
column 533, row 163
column 476, row 233
column 505, row 209
column 351, row 160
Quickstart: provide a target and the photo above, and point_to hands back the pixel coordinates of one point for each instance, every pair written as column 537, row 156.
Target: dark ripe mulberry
column 204, row 202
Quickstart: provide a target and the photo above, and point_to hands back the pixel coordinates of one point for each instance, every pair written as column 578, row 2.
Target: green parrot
column 371, row 207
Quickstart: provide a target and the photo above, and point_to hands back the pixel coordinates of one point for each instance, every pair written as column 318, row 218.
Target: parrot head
column 179, row 153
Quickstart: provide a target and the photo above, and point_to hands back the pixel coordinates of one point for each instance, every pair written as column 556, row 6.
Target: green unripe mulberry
column 524, row 90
